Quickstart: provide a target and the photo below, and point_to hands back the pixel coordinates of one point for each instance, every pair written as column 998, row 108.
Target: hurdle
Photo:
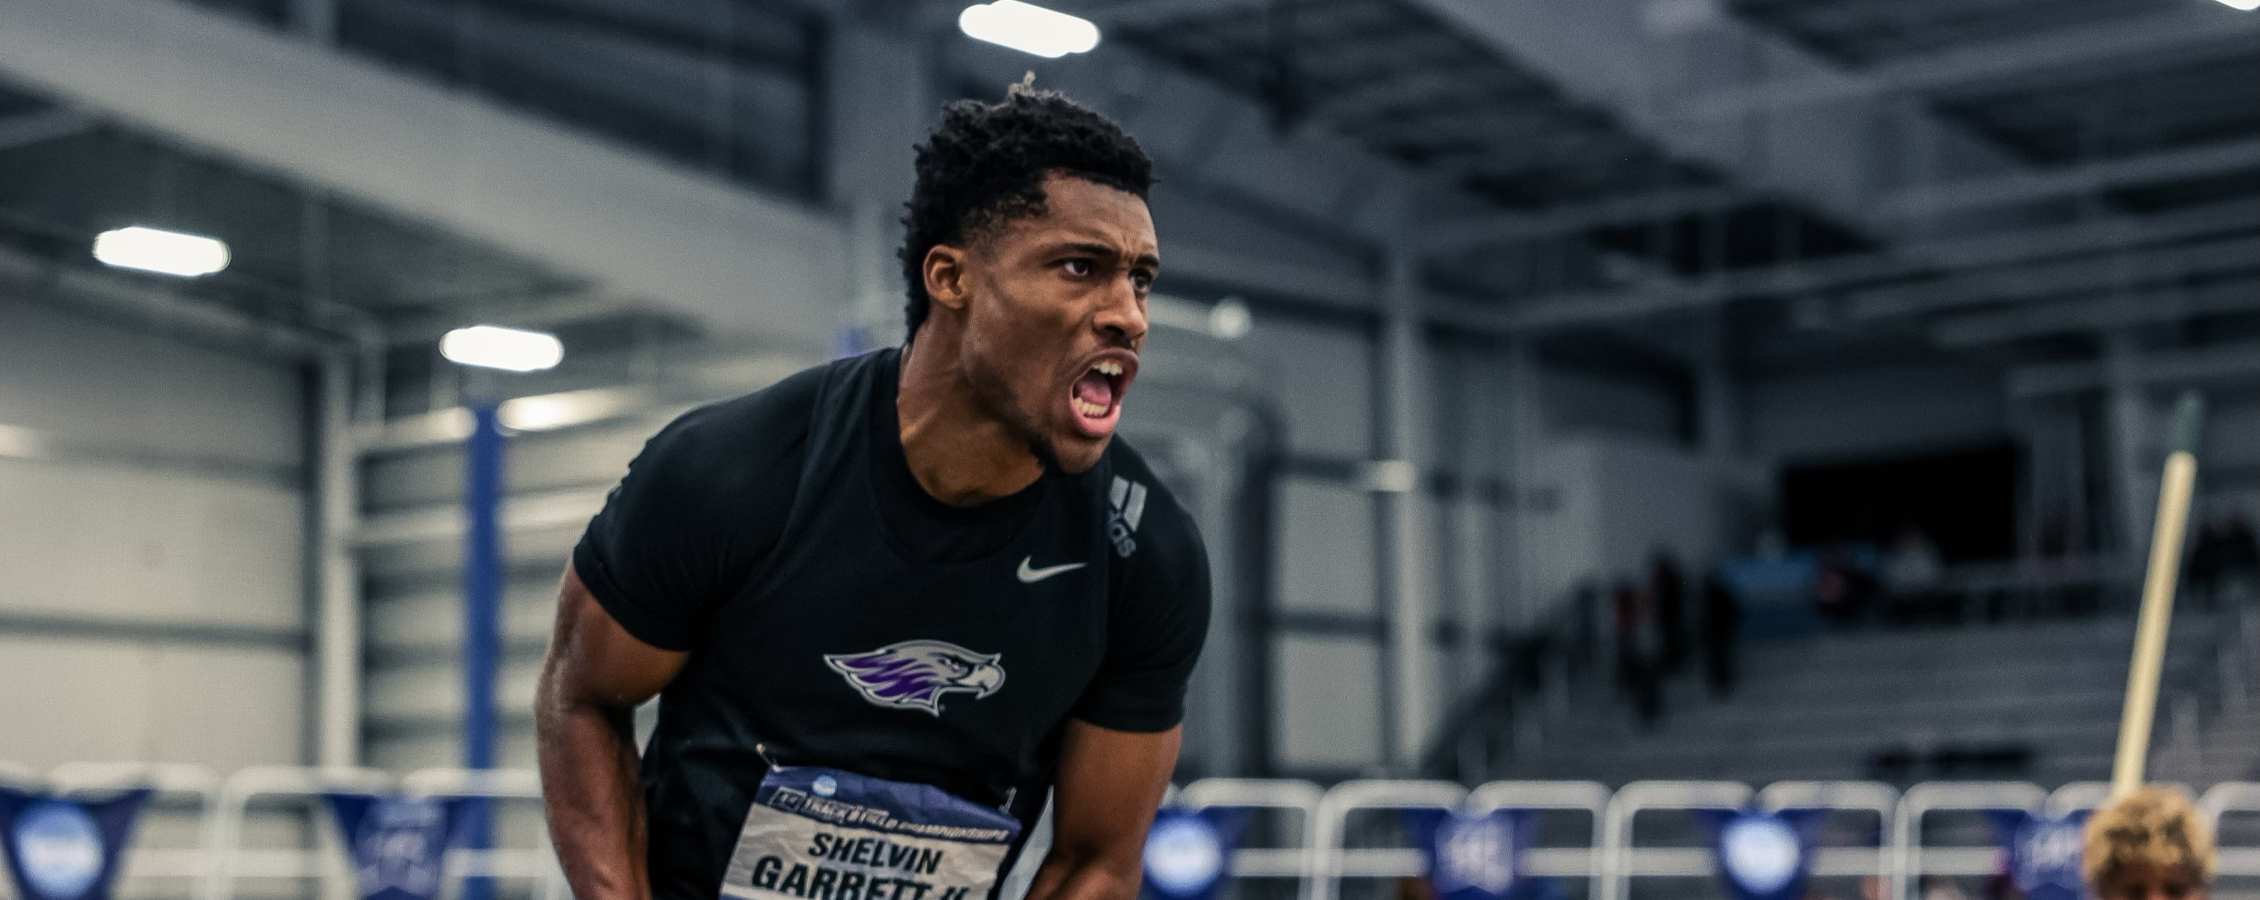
column 1299, row 797
column 1621, row 862
column 538, row 863
column 2233, row 797
column 1862, row 796
column 326, row 862
column 1914, row 860
column 1589, row 797
column 1331, row 861
column 196, row 784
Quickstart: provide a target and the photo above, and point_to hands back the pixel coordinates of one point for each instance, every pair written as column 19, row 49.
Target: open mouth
column 1096, row 398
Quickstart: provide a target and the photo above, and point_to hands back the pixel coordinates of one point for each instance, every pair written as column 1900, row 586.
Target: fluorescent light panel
column 1028, row 28
column 508, row 349
column 156, row 250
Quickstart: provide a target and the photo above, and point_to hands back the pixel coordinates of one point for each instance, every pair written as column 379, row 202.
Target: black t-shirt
column 838, row 615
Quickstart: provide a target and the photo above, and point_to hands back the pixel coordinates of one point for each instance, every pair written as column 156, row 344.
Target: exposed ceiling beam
column 1509, row 227
column 2055, row 277
column 125, row 298
column 2105, row 313
column 540, row 314
column 1599, row 51
column 1806, row 278
column 1152, row 13
column 2190, row 162
column 2227, row 362
column 2196, row 28
column 26, row 129
column 734, row 259
column 1265, row 277
column 1382, row 95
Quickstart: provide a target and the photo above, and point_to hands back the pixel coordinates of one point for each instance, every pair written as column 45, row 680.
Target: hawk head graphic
column 915, row 674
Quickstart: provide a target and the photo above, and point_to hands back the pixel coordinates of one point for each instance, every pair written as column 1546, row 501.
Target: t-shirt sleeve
column 1155, row 631
column 698, row 508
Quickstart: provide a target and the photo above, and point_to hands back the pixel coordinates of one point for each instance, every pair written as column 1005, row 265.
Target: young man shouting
column 891, row 602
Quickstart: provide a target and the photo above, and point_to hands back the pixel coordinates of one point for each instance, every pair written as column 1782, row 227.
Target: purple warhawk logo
column 915, row 674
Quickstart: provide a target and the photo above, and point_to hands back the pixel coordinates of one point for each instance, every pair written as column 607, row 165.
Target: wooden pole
column 2157, row 598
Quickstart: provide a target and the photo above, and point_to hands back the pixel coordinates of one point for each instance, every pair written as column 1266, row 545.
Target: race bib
column 824, row 834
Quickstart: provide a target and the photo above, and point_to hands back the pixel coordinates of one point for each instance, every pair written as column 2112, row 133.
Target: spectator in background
column 1669, row 588
column 1842, row 591
column 1914, row 577
column 2149, row 845
column 2204, row 566
column 2240, row 560
column 1722, row 626
column 1636, row 660
column 2224, row 562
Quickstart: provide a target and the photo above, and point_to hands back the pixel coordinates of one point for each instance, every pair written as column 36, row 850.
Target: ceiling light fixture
column 156, row 250
column 2246, row 5
column 508, row 349
column 1028, row 28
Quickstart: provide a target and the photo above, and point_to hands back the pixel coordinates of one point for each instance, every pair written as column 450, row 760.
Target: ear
column 946, row 276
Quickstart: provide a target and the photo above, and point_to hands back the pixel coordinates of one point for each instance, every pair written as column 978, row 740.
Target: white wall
column 1879, row 410
column 1618, row 503
column 150, row 529
column 2229, row 464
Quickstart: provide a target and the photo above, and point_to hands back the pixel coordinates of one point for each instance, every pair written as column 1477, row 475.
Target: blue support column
column 482, row 613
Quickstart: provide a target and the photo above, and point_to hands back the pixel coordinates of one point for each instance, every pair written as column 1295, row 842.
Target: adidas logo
column 1127, row 500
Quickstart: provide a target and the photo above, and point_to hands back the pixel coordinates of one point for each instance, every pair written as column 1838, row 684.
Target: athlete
column 891, row 603
column 2152, row 844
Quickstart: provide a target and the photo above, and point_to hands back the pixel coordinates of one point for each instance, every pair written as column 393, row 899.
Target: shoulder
column 1143, row 516
column 752, row 427
column 737, row 442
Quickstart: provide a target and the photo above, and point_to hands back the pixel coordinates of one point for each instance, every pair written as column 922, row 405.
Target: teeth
column 1108, row 367
column 1088, row 408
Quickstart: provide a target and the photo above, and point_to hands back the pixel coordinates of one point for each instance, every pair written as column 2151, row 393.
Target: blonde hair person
column 2148, row 845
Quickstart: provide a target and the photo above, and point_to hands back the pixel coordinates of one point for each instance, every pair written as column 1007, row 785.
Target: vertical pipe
column 1522, row 437
column 1411, row 652
column 482, row 603
column 337, row 577
column 2128, row 416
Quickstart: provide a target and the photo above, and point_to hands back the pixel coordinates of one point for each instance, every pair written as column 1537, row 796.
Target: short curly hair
column 2156, row 827
column 986, row 164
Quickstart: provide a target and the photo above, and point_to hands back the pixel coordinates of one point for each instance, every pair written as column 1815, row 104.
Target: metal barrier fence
column 220, row 857
column 1319, row 858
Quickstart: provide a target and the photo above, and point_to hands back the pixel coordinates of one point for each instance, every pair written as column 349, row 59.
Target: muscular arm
column 1109, row 784
column 591, row 681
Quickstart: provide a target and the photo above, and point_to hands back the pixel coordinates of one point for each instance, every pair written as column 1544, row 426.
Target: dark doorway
column 1964, row 500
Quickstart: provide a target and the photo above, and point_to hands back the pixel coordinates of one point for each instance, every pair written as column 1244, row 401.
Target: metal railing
column 1319, row 855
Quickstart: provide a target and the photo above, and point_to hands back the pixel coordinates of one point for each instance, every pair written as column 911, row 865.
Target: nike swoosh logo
column 1032, row 575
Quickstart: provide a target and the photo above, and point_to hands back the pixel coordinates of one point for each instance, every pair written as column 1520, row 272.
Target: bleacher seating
column 1944, row 702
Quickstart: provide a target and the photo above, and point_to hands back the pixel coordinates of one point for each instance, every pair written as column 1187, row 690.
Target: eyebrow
column 1148, row 260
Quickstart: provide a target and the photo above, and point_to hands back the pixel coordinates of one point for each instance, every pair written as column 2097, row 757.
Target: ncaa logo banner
column 2041, row 854
column 1471, row 857
column 1188, row 852
column 398, row 845
column 64, row 849
column 826, row 834
column 1761, row 855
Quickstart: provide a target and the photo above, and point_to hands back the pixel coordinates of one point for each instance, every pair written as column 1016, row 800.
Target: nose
column 1121, row 318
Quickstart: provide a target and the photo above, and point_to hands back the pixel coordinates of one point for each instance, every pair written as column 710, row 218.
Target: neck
column 958, row 451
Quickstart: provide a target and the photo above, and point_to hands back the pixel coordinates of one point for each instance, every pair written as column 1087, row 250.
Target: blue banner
column 63, row 849
column 1188, row 852
column 397, row 844
column 1764, row 856
column 1471, row 857
column 2043, row 853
